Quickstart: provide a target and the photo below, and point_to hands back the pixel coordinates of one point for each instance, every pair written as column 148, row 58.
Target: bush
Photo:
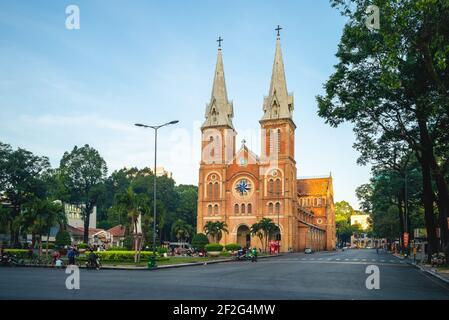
column 122, row 255
column 199, row 241
column 62, row 239
column 233, row 247
column 213, row 247
column 21, row 253
column 82, row 245
column 162, row 250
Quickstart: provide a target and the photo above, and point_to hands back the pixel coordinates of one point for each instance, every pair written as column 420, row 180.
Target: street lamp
column 155, row 128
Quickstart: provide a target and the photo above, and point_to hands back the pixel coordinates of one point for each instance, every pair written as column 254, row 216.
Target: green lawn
column 170, row 260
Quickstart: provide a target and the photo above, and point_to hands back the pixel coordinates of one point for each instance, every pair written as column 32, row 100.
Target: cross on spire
column 219, row 42
column 278, row 29
column 244, row 142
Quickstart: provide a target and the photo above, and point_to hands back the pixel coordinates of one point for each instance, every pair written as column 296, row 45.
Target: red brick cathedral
column 240, row 188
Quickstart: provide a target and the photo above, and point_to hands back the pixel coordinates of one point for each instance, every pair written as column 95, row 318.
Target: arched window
column 250, row 208
column 270, row 207
column 212, row 147
column 243, row 208
column 217, row 146
column 236, row 209
column 209, row 190
column 315, row 202
column 278, row 141
column 278, row 189
column 209, row 209
column 270, row 187
column 278, row 207
column 216, row 190
column 216, row 209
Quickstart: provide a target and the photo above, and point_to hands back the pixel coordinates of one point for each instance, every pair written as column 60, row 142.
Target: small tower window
column 250, row 208
column 278, row 207
column 216, row 209
column 209, row 190
column 209, row 209
column 216, row 190
column 270, row 207
column 236, row 209
column 243, row 208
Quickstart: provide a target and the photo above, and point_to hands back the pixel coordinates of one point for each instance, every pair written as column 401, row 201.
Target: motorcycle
column 438, row 259
column 93, row 263
column 241, row 256
column 10, row 261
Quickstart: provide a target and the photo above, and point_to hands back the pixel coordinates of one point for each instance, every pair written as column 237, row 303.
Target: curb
column 168, row 266
column 423, row 269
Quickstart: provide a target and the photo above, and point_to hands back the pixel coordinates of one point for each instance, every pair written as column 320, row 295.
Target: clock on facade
column 243, row 187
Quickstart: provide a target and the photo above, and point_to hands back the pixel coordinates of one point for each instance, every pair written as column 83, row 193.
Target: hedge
column 121, row 255
column 213, row 247
column 21, row 253
column 233, row 247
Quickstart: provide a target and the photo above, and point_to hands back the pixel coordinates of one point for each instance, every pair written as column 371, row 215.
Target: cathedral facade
column 240, row 188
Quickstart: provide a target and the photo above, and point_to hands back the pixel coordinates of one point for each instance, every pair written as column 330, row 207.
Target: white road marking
column 346, row 259
column 382, row 260
column 355, row 259
column 320, row 259
column 338, row 259
column 363, row 259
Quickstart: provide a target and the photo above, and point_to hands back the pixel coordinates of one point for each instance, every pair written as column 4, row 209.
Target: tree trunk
column 427, row 198
column 86, row 224
column 440, row 182
column 46, row 245
column 401, row 222
column 40, row 245
column 443, row 203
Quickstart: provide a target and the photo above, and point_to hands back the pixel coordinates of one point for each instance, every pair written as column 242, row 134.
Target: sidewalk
column 443, row 275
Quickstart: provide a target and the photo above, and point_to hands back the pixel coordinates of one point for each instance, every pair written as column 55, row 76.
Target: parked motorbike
column 438, row 259
column 10, row 260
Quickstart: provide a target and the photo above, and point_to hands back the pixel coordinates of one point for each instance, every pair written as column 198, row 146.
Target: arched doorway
column 244, row 236
column 276, row 234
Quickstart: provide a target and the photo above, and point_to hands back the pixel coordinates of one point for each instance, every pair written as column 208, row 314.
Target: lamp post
column 155, row 128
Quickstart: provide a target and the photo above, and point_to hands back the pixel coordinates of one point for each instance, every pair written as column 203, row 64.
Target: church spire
column 219, row 111
column 278, row 104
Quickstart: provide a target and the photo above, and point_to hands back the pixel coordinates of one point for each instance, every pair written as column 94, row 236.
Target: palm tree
column 215, row 229
column 134, row 205
column 256, row 231
column 182, row 230
column 264, row 229
column 221, row 227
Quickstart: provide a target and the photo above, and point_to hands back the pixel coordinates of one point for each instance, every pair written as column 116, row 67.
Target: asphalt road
column 337, row 275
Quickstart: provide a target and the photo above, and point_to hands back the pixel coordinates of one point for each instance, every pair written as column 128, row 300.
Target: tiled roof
column 117, row 231
column 313, row 186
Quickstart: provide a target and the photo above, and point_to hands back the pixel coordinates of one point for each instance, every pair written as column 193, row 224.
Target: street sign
column 406, row 238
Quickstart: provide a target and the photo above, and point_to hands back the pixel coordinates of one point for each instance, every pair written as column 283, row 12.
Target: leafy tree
column 62, row 239
column 20, row 172
column 392, row 84
column 199, row 241
column 82, row 173
column 182, row 230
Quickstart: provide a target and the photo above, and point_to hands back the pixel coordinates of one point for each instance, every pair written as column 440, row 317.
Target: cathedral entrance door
column 243, row 236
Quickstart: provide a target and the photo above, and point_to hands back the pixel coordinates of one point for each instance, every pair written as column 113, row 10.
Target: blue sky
column 152, row 62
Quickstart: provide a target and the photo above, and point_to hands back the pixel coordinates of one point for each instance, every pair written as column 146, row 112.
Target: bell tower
column 217, row 148
column 278, row 165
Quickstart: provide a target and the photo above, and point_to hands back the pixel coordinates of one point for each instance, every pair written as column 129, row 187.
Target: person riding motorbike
column 93, row 260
